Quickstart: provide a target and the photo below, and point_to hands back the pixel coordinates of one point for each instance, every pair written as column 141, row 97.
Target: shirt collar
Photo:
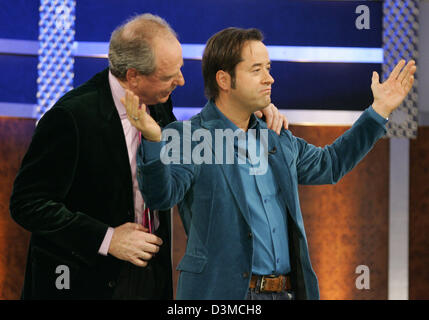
column 118, row 92
column 253, row 123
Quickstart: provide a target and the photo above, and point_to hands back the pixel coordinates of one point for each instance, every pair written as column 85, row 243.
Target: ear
column 223, row 80
column 132, row 77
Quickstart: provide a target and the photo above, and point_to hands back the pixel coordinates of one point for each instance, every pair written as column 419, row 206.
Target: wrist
column 153, row 139
column 381, row 109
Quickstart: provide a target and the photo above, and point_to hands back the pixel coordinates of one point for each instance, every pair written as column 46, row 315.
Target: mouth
column 266, row 90
column 170, row 91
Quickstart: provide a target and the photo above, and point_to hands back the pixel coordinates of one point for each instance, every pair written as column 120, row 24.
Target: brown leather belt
column 270, row 283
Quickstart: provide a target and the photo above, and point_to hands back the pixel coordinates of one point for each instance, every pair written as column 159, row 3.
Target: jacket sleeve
column 164, row 184
column 42, row 185
column 328, row 165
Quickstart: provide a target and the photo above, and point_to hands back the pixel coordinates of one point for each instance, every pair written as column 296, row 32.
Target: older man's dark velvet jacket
column 74, row 182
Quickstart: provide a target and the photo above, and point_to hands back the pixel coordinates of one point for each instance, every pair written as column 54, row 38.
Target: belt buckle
column 262, row 284
column 283, row 283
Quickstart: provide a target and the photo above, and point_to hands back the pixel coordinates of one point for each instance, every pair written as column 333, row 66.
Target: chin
column 264, row 105
column 164, row 99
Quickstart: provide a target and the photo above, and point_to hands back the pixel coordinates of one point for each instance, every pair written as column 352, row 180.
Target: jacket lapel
column 280, row 166
column 114, row 133
column 210, row 121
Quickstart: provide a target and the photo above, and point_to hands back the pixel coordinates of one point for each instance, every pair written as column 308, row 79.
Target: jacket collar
column 107, row 108
column 212, row 118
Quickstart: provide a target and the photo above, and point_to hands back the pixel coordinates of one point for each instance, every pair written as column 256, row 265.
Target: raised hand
column 139, row 118
column 389, row 94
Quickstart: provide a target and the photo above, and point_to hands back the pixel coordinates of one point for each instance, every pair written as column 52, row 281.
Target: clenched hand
column 132, row 242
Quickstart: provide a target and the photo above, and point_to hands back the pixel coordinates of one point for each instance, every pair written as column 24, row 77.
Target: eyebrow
column 260, row 64
column 173, row 75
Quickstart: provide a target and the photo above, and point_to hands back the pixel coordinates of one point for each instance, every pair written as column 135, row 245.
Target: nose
column 268, row 79
column 180, row 81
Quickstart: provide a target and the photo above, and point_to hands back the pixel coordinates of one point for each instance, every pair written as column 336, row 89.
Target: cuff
column 151, row 150
column 380, row 119
column 104, row 248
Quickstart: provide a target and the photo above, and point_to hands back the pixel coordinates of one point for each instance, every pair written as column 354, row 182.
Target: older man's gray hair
column 130, row 44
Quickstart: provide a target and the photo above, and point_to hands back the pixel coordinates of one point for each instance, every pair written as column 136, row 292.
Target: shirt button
column 250, row 235
column 245, row 275
column 265, row 200
column 112, row 283
column 278, row 260
column 274, row 230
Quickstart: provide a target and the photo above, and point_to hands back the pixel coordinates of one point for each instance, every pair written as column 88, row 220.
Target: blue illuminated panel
column 321, row 59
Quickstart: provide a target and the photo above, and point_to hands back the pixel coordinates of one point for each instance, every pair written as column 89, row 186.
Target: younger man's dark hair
column 223, row 52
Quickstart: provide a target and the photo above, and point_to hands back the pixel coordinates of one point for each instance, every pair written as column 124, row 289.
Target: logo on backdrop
column 362, row 22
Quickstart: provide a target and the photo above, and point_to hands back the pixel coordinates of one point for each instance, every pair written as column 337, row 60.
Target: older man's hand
column 275, row 120
column 133, row 243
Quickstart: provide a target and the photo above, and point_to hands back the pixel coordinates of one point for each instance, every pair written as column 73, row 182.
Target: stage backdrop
column 323, row 54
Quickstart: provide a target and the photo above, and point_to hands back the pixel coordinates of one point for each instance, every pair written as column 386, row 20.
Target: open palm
column 389, row 94
column 139, row 118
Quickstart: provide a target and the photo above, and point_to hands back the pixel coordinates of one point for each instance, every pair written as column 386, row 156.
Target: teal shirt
column 267, row 209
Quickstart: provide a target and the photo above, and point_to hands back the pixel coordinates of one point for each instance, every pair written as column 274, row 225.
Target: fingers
column 409, row 78
column 409, row 84
column 149, row 248
column 375, row 78
column 146, row 256
column 269, row 116
column 274, row 119
column 138, row 262
column 135, row 110
column 153, row 239
column 142, row 259
column 147, row 251
column 406, row 72
column 140, row 227
column 132, row 105
column 150, row 243
column 280, row 121
column 127, row 102
column 277, row 122
column 395, row 73
column 259, row 114
column 132, row 242
column 285, row 122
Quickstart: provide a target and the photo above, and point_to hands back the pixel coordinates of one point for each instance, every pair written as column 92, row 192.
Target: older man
column 246, row 236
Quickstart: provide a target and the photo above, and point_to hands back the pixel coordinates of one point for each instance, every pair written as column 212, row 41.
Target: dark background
column 334, row 86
